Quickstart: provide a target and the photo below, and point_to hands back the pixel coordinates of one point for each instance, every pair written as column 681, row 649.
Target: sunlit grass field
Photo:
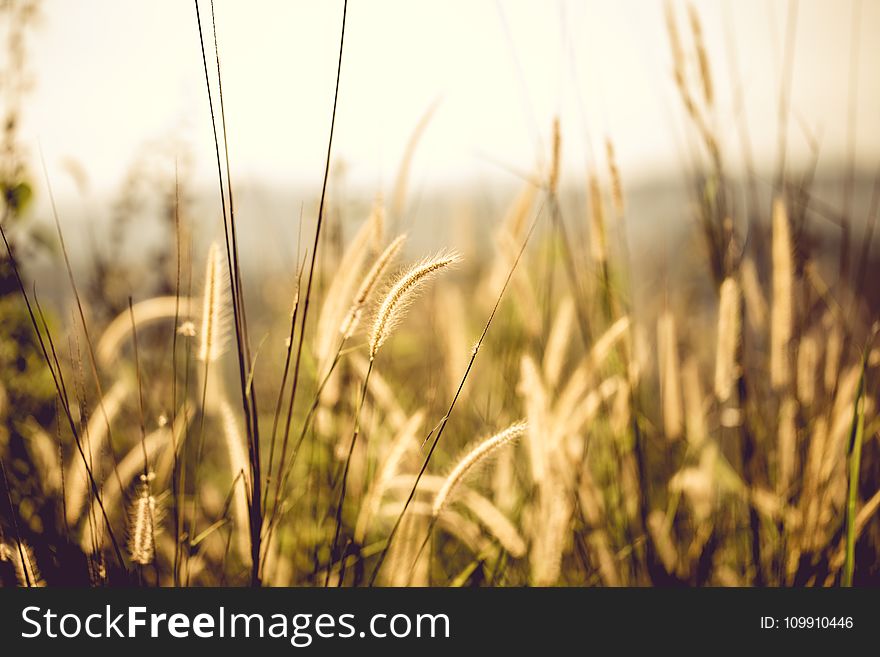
column 525, row 406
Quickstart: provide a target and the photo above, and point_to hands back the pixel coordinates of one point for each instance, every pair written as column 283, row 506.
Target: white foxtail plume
column 368, row 284
column 663, row 543
column 470, row 459
column 497, row 523
column 402, row 293
column 786, row 456
column 833, row 350
column 553, row 182
column 670, row 379
column 807, row 366
column 531, row 389
column 401, row 182
column 695, row 419
column 726, row 369
column 781, row 312
column 341, row 290
column 22, row 557
column 702, row 57
column 606, row 342
column 614, row 174
column 143, row 521
column 756, row 305
column 559, row 341
column 215, row 306
column 239, row 464
column 158, row 445
column 597, row 222
column 553, row 525
column 378, row 221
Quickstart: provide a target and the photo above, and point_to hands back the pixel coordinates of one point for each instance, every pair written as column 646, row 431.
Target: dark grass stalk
column 249, row 393
column 291, row 334
column 280, row 399
column 248, row 402
column 232, row 228
column 318, row 225
column 60, row 389
column 445, row 419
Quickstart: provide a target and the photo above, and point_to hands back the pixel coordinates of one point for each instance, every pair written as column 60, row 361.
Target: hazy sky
column 114, row 76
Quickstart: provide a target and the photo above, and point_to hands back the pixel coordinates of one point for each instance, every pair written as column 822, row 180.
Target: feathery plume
column 670, row 381
column 695, row 418
column 807, row 364
column 553, row 182
column 402, row 293
column 663, row 543
column 756, row 305
column 531, row 388
column 558, row 341
column 787, row 445
column 342, row 289
column 238, row 465
column 833, row 351
column 781, row 311
column 368, row 284
column 497, row 523
column 728, row 338
column 614, row 174
column 142, row 523
column 597, row 222
column 702, row 57
column 675, row 45
column 377, row 221
column 22, row 557
column 215, row 325
column 474, row 456
column 554, row 509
